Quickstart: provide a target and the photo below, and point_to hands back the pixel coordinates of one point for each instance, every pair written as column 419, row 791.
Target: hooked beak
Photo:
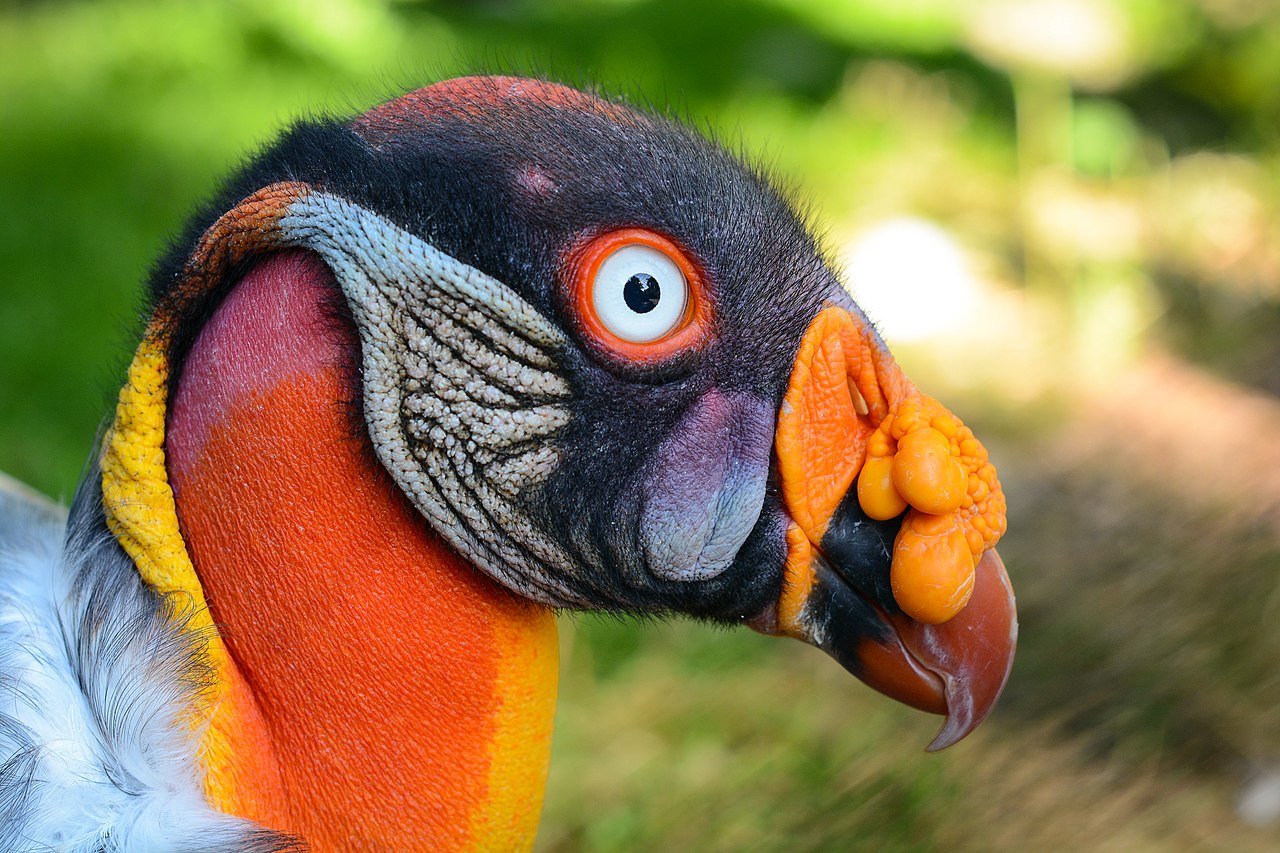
column 894, row 510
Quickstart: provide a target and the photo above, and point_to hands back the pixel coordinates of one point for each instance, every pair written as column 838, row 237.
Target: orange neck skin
column 371, row 701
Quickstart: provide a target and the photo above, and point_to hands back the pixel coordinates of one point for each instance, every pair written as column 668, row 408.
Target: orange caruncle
column 877, row 495
column 942, row 472
column 850, row 416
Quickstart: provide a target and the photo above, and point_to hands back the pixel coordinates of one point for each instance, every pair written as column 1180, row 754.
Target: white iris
column 642, row 317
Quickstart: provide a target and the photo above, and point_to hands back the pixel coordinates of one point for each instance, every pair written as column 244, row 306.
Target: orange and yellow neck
column 373, row 689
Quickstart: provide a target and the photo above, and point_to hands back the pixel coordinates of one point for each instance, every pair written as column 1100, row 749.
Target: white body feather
column 96, row 681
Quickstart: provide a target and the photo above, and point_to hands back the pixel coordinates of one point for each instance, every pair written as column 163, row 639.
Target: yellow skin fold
column 140, row 512
column 136, row 496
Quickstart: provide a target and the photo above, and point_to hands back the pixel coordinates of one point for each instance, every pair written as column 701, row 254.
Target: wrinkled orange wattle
column 850, row 414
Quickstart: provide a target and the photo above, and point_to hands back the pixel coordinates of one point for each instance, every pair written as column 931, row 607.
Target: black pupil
column 642, row 293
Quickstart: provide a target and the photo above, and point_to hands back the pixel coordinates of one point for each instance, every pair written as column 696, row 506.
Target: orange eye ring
column 690, row 331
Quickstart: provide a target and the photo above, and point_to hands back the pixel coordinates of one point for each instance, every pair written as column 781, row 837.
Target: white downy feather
column 96, row 679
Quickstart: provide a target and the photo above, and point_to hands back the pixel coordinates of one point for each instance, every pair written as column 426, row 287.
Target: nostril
column 859, row 402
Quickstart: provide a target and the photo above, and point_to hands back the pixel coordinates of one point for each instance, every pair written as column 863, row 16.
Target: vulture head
column 418, row 379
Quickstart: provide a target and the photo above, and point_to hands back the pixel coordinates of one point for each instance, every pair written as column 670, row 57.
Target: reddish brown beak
column 957, row 668
column 963, row 663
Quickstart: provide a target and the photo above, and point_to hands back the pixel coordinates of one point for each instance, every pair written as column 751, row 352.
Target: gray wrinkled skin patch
column 462, row 394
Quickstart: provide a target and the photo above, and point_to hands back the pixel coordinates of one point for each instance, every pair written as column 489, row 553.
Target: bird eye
column 637, row 295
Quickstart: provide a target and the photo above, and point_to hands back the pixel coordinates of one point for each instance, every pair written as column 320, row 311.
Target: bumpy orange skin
column 957, row 508
column 926, row 475
column 822, row 431
column 933, row 571
column 877, row 495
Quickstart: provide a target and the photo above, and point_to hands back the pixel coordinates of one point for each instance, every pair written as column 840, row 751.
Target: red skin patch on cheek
column 363, row 646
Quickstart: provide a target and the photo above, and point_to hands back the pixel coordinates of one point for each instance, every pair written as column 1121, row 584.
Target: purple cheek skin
column 707, row 487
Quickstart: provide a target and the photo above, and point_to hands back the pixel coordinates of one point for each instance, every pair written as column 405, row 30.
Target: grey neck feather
column 97, row 679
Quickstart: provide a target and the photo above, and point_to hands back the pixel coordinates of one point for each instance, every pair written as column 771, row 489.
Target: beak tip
column 942, row 741
column 978, row 674
column 949, row 735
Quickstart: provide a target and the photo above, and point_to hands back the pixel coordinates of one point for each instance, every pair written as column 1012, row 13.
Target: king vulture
column 414, row 382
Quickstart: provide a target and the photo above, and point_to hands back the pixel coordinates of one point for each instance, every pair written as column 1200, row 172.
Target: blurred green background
column 1065, row 214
